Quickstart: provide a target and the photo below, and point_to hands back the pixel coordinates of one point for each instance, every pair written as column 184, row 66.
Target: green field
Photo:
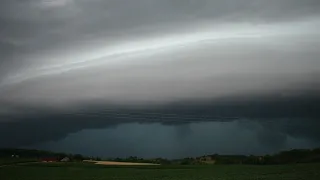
column 8, row 161
column 86, row 171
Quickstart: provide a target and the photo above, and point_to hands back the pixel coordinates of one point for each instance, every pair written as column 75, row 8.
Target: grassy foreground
column 86, row 171
column 8, row 161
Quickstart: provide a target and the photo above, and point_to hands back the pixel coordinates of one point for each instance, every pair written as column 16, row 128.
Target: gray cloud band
column 67, row 53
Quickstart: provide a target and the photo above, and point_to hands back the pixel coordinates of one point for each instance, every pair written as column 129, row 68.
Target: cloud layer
column 169, row 61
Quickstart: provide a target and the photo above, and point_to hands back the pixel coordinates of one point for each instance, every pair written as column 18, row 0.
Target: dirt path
column 120, row 163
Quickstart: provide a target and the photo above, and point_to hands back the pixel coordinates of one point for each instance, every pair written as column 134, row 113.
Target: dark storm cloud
column 179, row 61
column 154, row 140
column 272, row 121
column 276, row 117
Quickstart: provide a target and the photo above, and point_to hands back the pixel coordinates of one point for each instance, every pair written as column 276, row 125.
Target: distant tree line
column 30, row 153
column 284, row 157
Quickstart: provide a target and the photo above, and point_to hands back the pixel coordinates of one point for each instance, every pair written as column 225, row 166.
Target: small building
column 66, row 159
column 207, row 160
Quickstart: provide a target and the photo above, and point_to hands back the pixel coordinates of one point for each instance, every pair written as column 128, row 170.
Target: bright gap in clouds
column 124, row 53
column 54, row 3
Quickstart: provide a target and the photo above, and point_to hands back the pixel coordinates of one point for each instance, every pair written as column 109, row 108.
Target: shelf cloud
column 220, row 59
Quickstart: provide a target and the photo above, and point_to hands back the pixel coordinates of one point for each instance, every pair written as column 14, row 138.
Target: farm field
column 8, row 161
column 89, row 171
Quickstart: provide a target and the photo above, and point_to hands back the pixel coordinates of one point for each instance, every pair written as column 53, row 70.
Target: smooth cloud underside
column 120, row 52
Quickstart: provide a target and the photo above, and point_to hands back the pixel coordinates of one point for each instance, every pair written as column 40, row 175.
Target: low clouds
column 154, row 140
column 273, row 120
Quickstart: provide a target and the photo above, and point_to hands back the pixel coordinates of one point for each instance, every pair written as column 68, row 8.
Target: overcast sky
column 71, row 58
